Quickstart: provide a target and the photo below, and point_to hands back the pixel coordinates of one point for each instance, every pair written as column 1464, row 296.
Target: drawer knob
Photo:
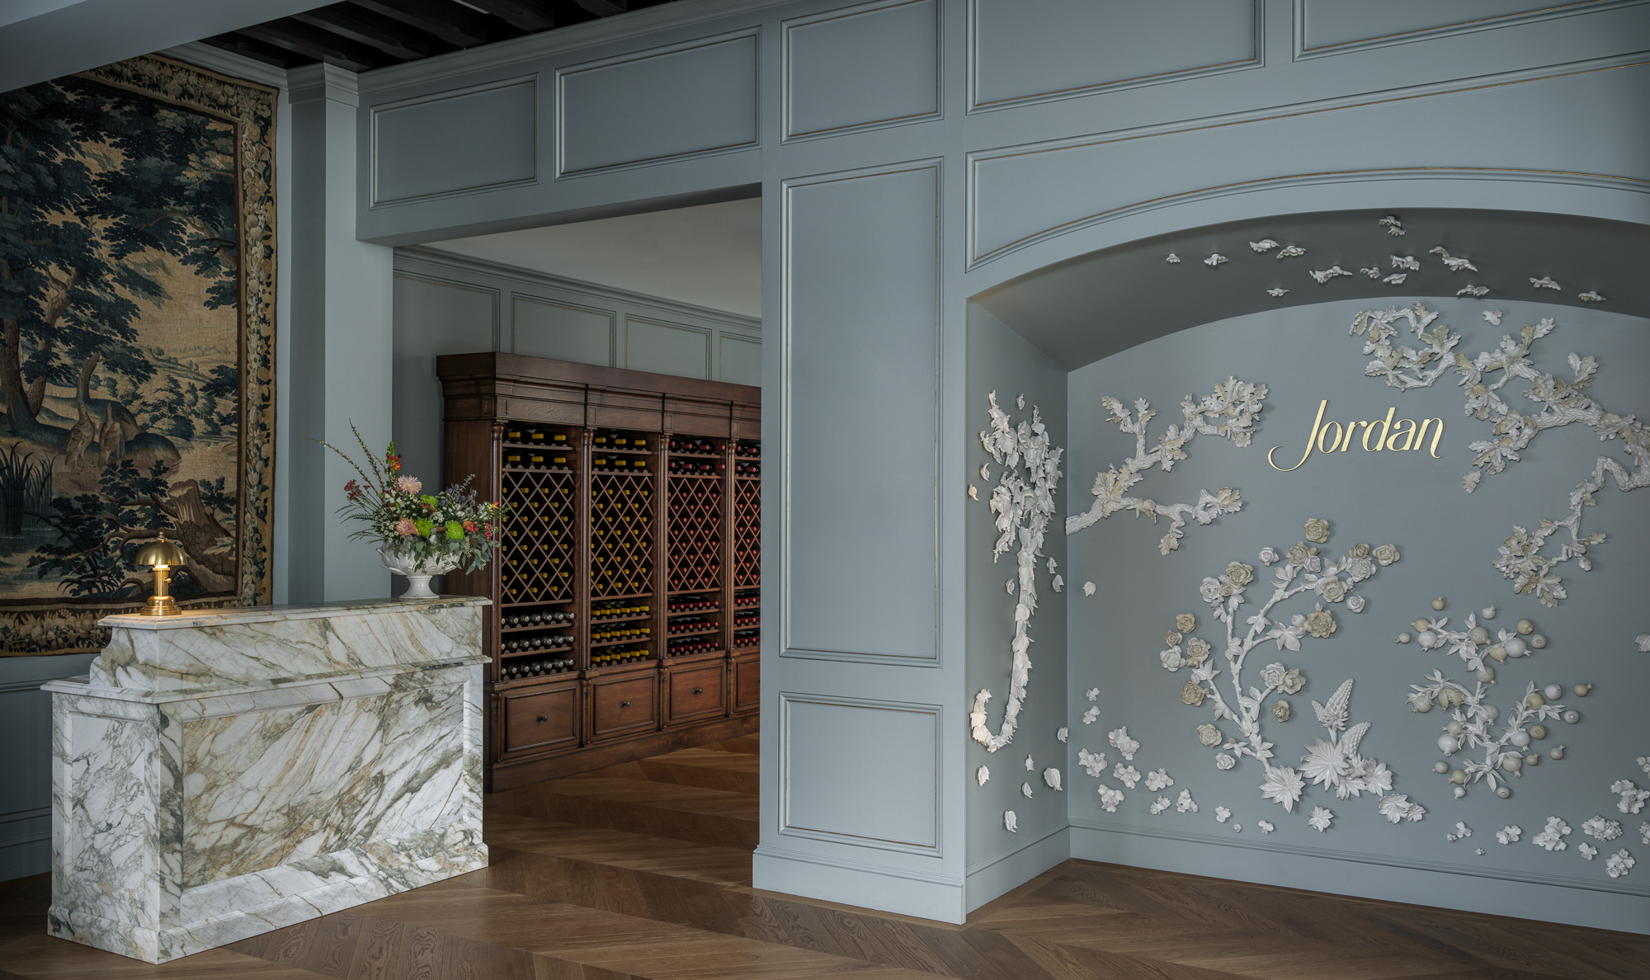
column 698, row 690
column 544, row 718
column 624, row 704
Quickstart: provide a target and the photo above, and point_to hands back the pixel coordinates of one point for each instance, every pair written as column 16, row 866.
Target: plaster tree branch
column 1229, row 413
column 1562, row 403
column 1024, row 504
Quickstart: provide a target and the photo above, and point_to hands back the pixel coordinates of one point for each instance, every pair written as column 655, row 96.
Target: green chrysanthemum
column 425, row 527
column 455, row 531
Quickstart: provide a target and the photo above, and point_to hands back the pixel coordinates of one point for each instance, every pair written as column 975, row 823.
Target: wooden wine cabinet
column 603, row 542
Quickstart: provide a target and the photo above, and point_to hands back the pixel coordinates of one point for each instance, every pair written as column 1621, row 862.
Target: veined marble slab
column 334, row 760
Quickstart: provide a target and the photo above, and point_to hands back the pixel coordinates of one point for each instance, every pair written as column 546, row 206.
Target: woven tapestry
column 137, row 322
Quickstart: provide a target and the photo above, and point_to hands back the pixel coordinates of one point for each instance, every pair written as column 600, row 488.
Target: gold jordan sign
column 1386, row 436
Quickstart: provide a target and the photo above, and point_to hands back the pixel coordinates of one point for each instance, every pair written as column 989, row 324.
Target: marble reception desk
column 216, row 776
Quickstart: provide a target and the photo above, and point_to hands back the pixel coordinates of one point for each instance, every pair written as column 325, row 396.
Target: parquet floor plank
column 642, row 871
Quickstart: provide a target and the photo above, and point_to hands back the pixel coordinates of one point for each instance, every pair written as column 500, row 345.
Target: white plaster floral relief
column 1159, row 805
column 1237, row 828
column 1185, row 804
column 1011, row 823
column 1109, row 798
column 1092, row 693
column 1266, row 826
column 1455, row 263
column 1601, row 829
column 1031, row 766
column 1091, row 716
column 1222, row 814
column 1051, row 776
column 981, row 775
column 1062, row 734
column 1393, row 226
column 1230, row 412
column 1120, row 740
column 1263, row 246
column 1094, row 765
column 1588, row 851
column 1276, row 291
column 1461, row 830
column 1172, row 259
column 1397, row 806
column 1476, row 292
column 1324, row 275
column 1214, row 259
column 1158, row 779
column 1619, row 863
column 1409, row 262
column 1127, row 775
column 1223, row 762
column 1320, row 819
column 1644, row 833
column 1552, row 836
column 1291, row 251
column 1544, row 282
column 1509, row 834
column 1025, row 790
column 1024, row 504
column 1088, row 588
column 1632, row 798
column 1590, row 296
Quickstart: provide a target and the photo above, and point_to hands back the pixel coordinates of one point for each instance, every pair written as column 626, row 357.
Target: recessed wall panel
column 456, row 141
column 1027, row 49
column 859, row 362
column 1331, row 23
column 564, row 331
column 867, row 771
column 862, row 66
column 688, row 99
column 666, row 348
column 741, row 360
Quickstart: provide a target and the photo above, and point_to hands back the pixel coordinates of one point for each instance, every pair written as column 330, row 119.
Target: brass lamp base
column 161, row 605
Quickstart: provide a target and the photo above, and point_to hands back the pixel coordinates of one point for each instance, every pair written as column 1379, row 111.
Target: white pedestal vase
column 418, row 572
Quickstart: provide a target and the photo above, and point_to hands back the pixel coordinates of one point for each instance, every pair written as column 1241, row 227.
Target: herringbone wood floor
column 644, row 870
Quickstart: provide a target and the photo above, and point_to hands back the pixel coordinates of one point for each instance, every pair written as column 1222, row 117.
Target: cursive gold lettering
column 1422, row 433
column 1385, row 424
column 1405, row 428
column 1348, row 440
column 1325, row 431
column 1310, row 436
column 1333, row 436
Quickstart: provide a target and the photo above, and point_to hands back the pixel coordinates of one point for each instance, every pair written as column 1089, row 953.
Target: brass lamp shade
column 161, row 556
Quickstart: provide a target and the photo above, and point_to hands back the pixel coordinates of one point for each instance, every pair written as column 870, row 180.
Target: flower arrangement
column 451, row 528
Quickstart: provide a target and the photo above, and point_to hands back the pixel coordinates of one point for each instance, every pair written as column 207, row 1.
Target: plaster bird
column 1214, row 259
column 1327, row 274
column 1173, row 259
column 1372, row 272
column 1455, row 262
column 79, row 437
column 1264, row 245
column 110, row 438
column 1409, row 262
column 1477, row 292
column 1394, row 227
column 1545, row 282
column 1396, row 279
column 1590, row 296
column 1276, row 291
column 1290, row 251
column 1492, row 317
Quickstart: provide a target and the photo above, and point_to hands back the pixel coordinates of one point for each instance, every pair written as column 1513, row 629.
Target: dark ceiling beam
column 256, row 50
column 529, row 15
column 313, row 42
column 454, row 23
column 604, row 8
column 391, row 37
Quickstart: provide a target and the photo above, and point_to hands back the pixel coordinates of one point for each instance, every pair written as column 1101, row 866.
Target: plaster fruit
column 1553, row 691
column 1515, row 647
column 1582, row 690
column 1526, row 627
column 1503, row 791
column 1438, row 604
column 1538, row 641
column 1440, row 767
column 1538, row 731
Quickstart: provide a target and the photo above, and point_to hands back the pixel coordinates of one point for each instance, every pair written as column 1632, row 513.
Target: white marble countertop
column 268, row 614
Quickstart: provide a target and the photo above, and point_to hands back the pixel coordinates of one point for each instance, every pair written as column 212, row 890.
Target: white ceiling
column 710, row 255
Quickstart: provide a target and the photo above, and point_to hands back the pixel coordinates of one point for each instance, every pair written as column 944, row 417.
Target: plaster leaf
column 1222, row 814
column 1320, row 819
column 1643, row 641
column 1493, row 317
column 1632, row 798
column 1396, row 279
column 1545, row 282
column 1127, row 775
column 1089, row 589
column 1030, row 766
column 1394, row 227
column 1051, row 564
column 1109, row 798
column 1396, row 807
column 1011, row 822
column 1324, row 275
column 1276, row 291
column 981, row 775
column 1409, row 262
column 1058, row 584
column 1264, row 245
column 1094, row 765
column 985, row 472
column 973, row 493
column 1588, row 851
column 1009, row 585
column 1025, row 790
column 1290, row 251
column 1185, row 804
column 1092, row 693
column 1119, row 739
column 1509, row 834
column 1159, row 805
column 1476, row 292
column 1590, row 296
column 1158, row 779
column 1051, row 776
column 1599, row 828
column 1266, row 826
column 1455, row 262
column 1552, row 837
column 1214, row 259
column 1020, row 400
column 1173, row 259
column 1063, row 733
column 1091, row 715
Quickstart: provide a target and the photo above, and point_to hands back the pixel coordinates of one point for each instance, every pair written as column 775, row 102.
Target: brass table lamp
column 162, row 556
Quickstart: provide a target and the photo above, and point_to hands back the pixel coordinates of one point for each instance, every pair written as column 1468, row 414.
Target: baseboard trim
column 1002, row 873
column 886, row 889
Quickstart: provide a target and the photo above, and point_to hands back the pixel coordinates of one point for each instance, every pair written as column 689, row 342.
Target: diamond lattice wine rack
column 627, row 591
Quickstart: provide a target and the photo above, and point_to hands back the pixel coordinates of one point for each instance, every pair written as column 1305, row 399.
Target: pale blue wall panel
column 464, row 140
column 860, row 336
column 26, row 731
column 688, row 100
column 667, row 348
column 1028, row 48
column 1327, row 23
column 741, row 360
column 432, row 316
column 865, row 65
column 564, row 331
column 861, row 770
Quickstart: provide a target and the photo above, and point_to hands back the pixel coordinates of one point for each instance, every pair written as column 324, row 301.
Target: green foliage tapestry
column 137, row 287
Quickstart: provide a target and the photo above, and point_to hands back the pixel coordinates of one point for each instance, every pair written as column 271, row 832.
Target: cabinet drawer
column 624, row 705
column 747, row 684
column 541, row 719
column 696, row 691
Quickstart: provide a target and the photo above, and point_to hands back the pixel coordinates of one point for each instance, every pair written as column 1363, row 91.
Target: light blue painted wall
column 1448, row 540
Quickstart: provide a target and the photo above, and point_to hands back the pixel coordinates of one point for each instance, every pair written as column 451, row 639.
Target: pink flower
column 405, row 526
column 408, row 484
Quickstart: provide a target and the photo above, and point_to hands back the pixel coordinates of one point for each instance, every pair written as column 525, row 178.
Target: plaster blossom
column 1120, row 740
column 1171, row 659
column 1599, row 828
column 1619, row 863
column 1237, row 828
column 1091, row 715
column 1173, row 638
column 1509, row 834
column 1094, row 765
column 1560, row 402
column 1224, row 762
column 1588, row 851
column 1479, row 852
column 1185, row 804
column 1268, row 556
column 1192, row 693
column 1197, row 651
column 1461, row 830
column 1644, row 763
column 1024, row 505
column 1185, row 623
column 1127, row 775
column 1230, row 412
column 1272, row 674
column 1552, row 838
column 1159, row 805
column 1158, row 779
column 1397, row 806
column 1632, row 798
column 1283, row 786
column 1355, row 603
column 1222, row 814
column 1320, row 819
column 1092, row 693
column 1266, row 826
column 1281, row 710
column 1209, row 736
column 1109, row 798
column 1644, row 834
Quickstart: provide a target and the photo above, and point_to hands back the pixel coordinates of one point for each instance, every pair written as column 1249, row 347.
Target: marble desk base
column 184, row 820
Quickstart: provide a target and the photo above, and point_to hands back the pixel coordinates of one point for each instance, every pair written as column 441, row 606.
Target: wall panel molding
column 871, row 772
column 876, row 64
column 462, row 141
column 521, row 326
column 853, row 361
column 1392, row 23
column 1079, row 54
column 660, row 339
